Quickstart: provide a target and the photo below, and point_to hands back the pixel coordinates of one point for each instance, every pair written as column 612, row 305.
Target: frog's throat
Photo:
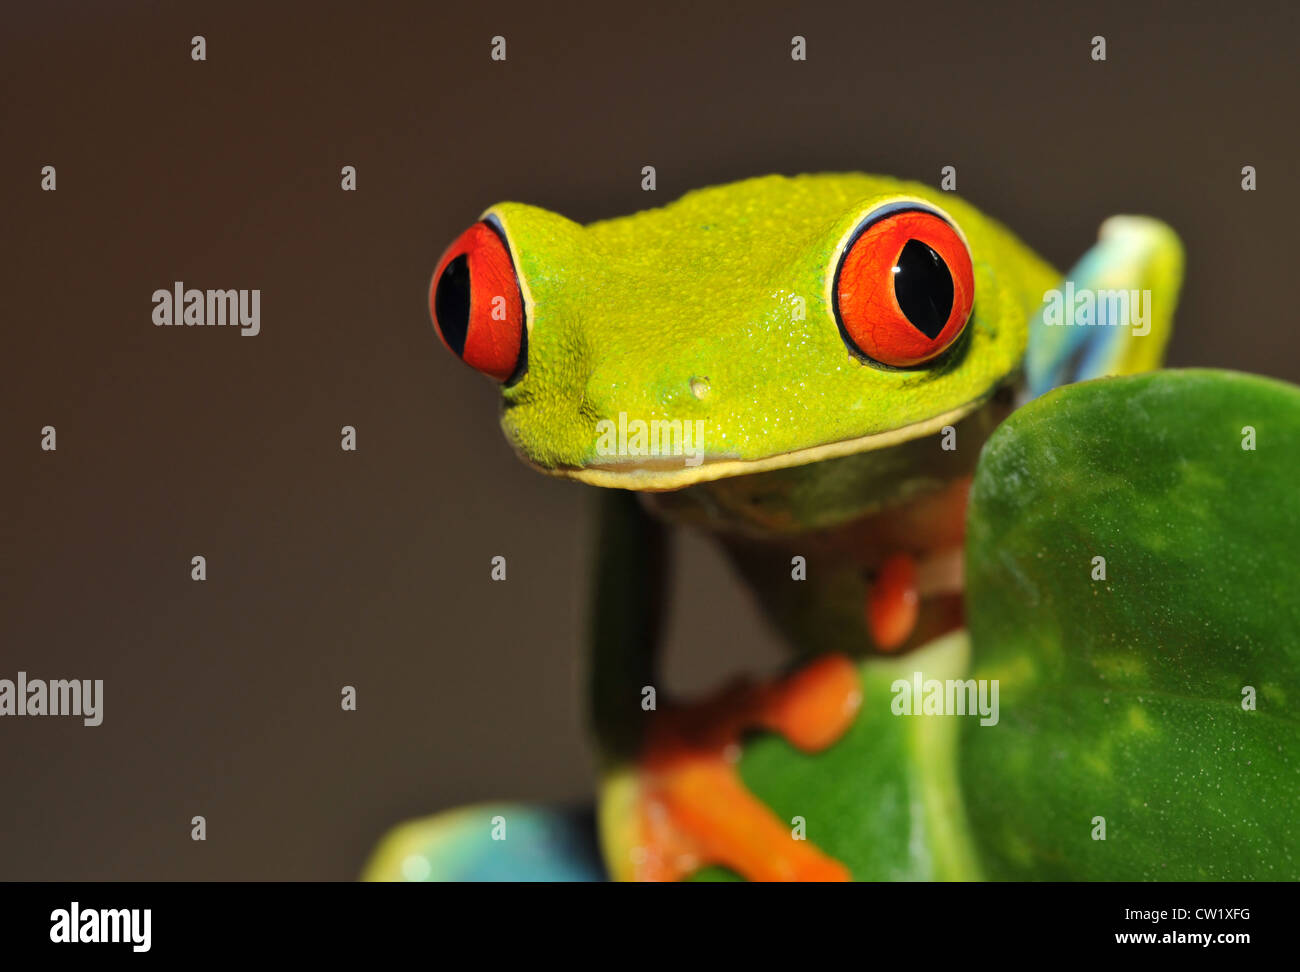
column 659, row 477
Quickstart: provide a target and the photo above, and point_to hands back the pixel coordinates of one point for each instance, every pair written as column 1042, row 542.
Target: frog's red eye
column 476, row 304
column 904, row 287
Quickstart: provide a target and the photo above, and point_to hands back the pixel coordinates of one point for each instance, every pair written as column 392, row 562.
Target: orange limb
column 694, row 808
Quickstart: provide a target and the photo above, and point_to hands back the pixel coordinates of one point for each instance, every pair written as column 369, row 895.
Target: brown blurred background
column 371, row 569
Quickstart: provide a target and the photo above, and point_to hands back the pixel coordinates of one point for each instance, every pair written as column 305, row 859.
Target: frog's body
column 823, row 385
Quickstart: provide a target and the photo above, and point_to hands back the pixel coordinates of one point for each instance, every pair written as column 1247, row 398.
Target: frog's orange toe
column 893, row 602
column 694, row 810
column 816, row 705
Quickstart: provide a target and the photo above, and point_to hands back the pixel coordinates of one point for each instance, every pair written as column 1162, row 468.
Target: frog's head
column 764, row 324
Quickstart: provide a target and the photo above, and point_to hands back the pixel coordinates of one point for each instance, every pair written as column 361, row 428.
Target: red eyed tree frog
column 786, row 363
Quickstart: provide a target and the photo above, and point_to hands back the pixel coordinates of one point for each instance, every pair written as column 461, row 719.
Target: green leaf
column 1122, row 698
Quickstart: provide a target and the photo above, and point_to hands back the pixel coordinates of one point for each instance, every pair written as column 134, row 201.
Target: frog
column 803, row 368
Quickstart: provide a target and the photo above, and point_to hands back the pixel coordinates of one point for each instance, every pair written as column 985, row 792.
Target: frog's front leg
column 693, row 808
column 672, row 799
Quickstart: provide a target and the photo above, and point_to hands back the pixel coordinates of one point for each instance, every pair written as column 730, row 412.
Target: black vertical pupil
column 451, row 303
column 923, row 287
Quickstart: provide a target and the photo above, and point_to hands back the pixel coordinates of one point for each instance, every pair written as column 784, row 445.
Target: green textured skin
column 1122, row 698
column 623, row 314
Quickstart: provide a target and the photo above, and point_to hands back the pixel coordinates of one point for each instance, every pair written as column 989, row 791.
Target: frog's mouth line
column 661, row 474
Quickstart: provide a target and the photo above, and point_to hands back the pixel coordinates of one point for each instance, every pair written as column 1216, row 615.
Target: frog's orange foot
column 694, row 810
